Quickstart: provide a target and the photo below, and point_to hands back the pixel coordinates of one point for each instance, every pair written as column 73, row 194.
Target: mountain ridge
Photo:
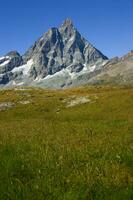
column 60, row 58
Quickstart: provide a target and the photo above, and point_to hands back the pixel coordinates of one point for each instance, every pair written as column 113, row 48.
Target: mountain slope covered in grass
column 74, row 144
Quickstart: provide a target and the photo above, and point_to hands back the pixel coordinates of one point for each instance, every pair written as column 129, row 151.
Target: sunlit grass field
column 52, row 151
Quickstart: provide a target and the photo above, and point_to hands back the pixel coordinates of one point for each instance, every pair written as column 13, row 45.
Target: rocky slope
column 117, row 71
column 60, row 58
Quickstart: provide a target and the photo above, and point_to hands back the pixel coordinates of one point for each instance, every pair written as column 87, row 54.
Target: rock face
column 55, row 60
column 7, row 63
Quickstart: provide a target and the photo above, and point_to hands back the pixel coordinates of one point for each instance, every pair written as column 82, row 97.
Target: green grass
column 51, row 152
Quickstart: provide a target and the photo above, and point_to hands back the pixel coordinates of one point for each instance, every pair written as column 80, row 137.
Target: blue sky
column 107, row 24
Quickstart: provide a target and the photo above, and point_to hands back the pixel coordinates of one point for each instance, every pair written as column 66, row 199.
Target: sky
column 107, row 24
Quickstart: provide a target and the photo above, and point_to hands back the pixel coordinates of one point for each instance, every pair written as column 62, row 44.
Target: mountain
column 60, row 58
column 118, row 71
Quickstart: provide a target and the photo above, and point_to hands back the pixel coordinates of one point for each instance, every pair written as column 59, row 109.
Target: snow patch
column 4, row 63
column 17, row 84
column 72, row 39
column 66, row 72
column 4, row 57
column 24, row 68
column 88, row 68
column 92, row 68
column 60, row 73
column 14, row 83
column 38, row 79
column 21, row 83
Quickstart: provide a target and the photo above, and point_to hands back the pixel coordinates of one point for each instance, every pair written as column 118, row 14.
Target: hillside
column 73, row 144
column 118, row 71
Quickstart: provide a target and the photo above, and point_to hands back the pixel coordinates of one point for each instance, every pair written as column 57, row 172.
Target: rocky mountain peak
column 61, row 53
column 13, row 54
column 67, row 29
column 67, row 23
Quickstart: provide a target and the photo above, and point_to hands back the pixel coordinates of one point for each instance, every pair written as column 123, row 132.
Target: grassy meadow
column 52, row 151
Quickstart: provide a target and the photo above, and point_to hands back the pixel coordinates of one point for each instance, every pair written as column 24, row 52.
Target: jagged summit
column 13, row 54
column 67, row 23
column 55, row 60
column 67, row 29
